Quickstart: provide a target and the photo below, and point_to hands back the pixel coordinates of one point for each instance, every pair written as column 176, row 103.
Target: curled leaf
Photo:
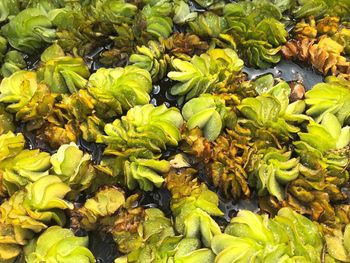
column 62, row 73
column 124, row 87
column 326, row 98
column 272, row 169
column 29, row 30
column 205, row 73
column 268, row 240
column 105, row 203
column 145, row 127
column 326, row 136
column 18, row 89
column 207, row 113
column 27, row 166
column 152, row 59
column 59, row 245
column 10, row 145
column 13, row 62
column 73, row 166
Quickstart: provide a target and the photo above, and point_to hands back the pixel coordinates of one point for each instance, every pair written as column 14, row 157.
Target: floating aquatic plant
column 60, row 245
column 185, row 45
column 152, row 59
column 18, row 89
column 326, row 98
column 226, row 159
column 73, row 166
column 13, row 62
column 123, row 87
column 265, row 239
column 91, row 137
column 264, row 111
column 257, row 30
column 204, row 73
column 105, row 203
column 138, row 139
column 27, row 166
column 62, row 73
column 323, row 44
column 154, row 20
column 29, row 30
column 273, row 168
column 192, row 209
column 208, row 113
column 11, row 145
column 8, row 8
column 319, row 8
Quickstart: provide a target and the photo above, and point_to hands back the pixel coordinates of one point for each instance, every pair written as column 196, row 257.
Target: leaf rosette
column 209, row 113
column 13, row 62
column 103, row 204
column 152, row 59
column 73, row 166
column 29, row 30
column 288, row 237
column 205, row 73
column 26, row 167
column 138, row 139
column 125, row 87
column 155, row 21
column 272, row 170
column 257, row 29
column 330, row 97
column 61, row 73
column 18, row 89
column 37, row 206
column 57, row 244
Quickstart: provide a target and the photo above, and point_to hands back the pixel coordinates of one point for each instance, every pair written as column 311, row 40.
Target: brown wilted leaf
column 182, row 183
column 290, row 49
column 269, row 204
column 306, row 28
column 180, row 43
column 314, row 199
column 324, row 56
column 55, row 136
column 226, row 159
column 324, row 53
column 126, row 228
column 343, row 213
column 328, row 25
column 297, row 91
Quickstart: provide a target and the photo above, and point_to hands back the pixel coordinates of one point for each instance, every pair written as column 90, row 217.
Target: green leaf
column 10, row 145
column 208, row 24
column 29, row 30
column 57, row 244
column 18, row 89
column 248, row 224
column 326, row 98
column 183, row 13
column 130, row 86
column 48, row 193
column 200, row 255
column 204, row 73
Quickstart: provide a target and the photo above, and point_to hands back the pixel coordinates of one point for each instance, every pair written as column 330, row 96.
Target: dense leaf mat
column 132, row 123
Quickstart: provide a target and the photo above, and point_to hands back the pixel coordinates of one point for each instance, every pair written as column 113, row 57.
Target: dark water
column 103, row 247
column 289, row 71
